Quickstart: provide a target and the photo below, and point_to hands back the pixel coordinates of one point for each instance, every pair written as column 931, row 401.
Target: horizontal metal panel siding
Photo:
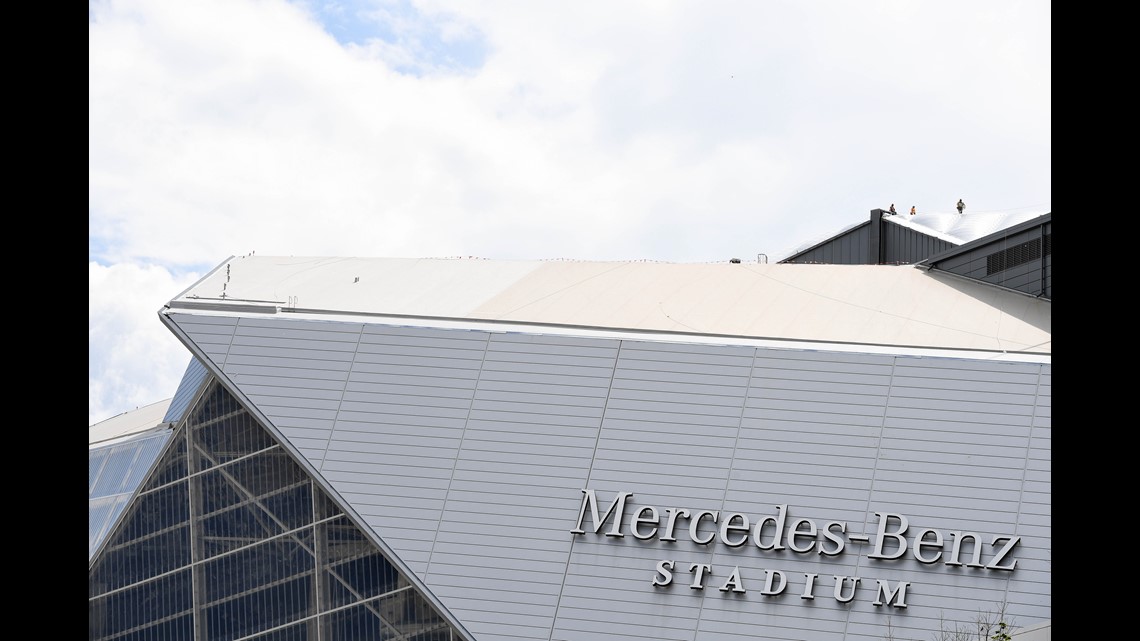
column 851, row 248
column 1024, row 277
column 393, row 452
column 531, row 434
column 212, row 334
column 468, row 451
column 834, row 437
column 669, row 436
column 294, row 372
column 906, row 246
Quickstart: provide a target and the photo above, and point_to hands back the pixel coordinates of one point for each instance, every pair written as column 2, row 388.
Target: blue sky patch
column 412, row 42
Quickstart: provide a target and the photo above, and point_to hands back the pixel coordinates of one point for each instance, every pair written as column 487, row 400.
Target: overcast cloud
column 671, row 131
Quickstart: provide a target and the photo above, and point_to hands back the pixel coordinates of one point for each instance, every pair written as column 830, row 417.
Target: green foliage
column 1001, row 633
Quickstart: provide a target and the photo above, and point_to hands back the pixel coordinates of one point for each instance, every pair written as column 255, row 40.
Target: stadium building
column 441, row 449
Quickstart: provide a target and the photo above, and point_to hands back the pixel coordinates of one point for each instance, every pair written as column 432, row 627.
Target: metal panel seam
column 874, row 473
column 589, row 473
column 340, row 403
column 458, row 452
column 1024, row 471
column 728, row 478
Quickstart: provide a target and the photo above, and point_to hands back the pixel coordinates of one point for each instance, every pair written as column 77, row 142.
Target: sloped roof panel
column 860, row 304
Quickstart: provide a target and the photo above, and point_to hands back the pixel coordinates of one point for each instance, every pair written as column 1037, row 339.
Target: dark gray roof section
column 1019, row 258
column 192, row 381
column 876, row 242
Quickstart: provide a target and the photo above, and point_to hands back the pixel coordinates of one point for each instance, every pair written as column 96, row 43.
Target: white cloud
column 596, row 130
column 133, row 359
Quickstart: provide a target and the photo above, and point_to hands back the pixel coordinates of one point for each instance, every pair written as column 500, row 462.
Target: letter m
column 886, row 594
column 591, row 501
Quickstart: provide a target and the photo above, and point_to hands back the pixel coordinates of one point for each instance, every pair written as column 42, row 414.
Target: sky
column 675, row 131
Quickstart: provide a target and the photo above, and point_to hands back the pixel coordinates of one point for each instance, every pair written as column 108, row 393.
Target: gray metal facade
column 467, row 452
column 1020, row 258
column 877, row 242
column 852, row 247
column 905, row 246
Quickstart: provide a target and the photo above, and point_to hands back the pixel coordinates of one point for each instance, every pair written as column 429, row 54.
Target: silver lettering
column 1011, row 542
column 778, row 522
column 727, row 527
column 839, row 582
column 920, row 542
column 700, row 569
column 774, row 574
column 796, row 531
column 885, row 595
column 884, row 521
column 634, row 526
column 809, row 586
column 837, row 540
column 696, row 523
column 955, row 552
column 673, row 513
column 591, row 501
column 734, row 580
column 664, row 572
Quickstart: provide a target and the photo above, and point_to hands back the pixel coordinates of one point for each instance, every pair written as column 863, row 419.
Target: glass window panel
column 262, row 475
column 271, row 480
column 192, row 380
column 235, row 528
column 95, row 460
column 293, row 504
column 404, row 615
column 154, row 538
column 218, row 491
column 358, row 623
column 156, row 511
column 116, row 470
column 218, row 403
column 177, row 629
column 123, row 564
column 325, row 507
column 304, row 631
column 153, row 610
column 264, row 588
column 354, row 567
column 256, row 567
column 268, row 606
column 228, row 438
column 361, row 578
column 410, row 613
column 149, row 449
column 173, row 465
column 442, row 633
column 101, row 515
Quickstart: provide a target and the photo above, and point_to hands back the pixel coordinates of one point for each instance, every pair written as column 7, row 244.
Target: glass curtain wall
column 230, row 540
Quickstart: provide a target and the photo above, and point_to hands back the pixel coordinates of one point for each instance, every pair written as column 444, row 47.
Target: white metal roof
column 961, row 229
column 951, row 227
column 128, row 423
column 861, row 304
